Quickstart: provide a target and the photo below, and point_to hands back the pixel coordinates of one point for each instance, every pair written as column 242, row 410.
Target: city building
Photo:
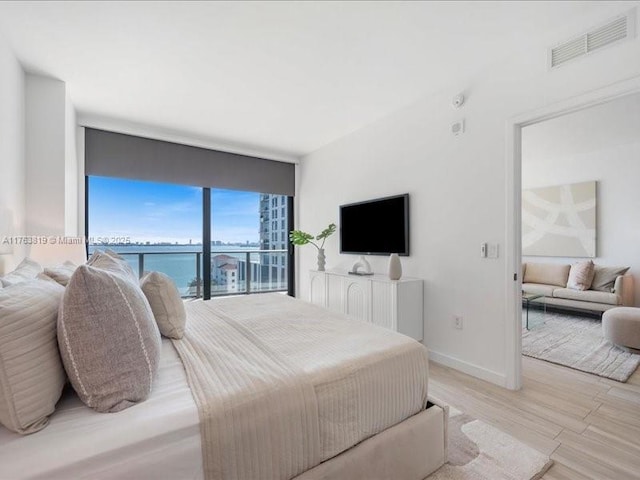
column 274, row 235
column 225, row 273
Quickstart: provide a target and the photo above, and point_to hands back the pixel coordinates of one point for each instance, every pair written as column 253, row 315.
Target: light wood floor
column 590, row 426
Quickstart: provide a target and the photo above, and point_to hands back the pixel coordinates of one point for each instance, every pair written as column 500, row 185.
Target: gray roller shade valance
column 112, row 154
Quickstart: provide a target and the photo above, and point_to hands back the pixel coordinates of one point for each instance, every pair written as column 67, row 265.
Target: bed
column 262, row 386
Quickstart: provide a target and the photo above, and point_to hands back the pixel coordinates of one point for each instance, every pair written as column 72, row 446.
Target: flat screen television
column 376, row 227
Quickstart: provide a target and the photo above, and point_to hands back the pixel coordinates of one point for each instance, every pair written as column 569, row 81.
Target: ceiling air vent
column 616, row 30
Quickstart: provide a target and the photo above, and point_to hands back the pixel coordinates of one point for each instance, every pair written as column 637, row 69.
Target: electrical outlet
column 457, row 322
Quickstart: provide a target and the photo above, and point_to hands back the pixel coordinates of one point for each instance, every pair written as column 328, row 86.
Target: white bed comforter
column 282, row 385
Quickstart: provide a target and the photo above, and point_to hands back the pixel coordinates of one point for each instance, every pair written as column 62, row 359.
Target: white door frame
column 513, row 241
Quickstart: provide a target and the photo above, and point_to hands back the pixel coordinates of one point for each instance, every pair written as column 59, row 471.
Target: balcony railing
column 233, row 272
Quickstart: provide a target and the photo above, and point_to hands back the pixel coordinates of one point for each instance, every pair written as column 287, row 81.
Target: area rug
column 478, row 451
column 577, row 342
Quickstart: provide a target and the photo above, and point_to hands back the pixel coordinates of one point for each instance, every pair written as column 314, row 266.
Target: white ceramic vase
column 395, row 267
column 321, row 260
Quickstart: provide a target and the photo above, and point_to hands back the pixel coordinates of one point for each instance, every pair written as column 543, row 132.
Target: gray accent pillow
column 26, row 270
column 114, row 263
column 61, row 273
column 109, row 341
column 605, row 277
column 31, row 374
column 581, row 275
column 166, row 304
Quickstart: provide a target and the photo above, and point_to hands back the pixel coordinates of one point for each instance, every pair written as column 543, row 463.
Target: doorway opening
column 552, row 147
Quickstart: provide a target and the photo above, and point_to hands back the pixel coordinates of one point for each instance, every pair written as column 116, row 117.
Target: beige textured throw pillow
column 546, row 274
column 166, row 304
column 61, row 273
column 109, row 341
column 605, row 277
column 26, row 270
column 581, row 275
column 31, row 374
column 112, row 262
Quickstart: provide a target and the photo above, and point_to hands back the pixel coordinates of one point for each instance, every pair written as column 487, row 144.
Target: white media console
column 394, row 304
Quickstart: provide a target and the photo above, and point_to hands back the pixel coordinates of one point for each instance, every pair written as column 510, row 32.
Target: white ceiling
column 284, row 78
column 594, row 129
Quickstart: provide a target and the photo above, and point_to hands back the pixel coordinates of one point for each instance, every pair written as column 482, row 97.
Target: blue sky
column 155, row 212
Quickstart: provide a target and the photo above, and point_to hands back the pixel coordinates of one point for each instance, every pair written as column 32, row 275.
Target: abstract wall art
column 559, row 221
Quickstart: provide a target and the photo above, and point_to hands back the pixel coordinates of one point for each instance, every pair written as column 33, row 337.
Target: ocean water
column 177, row 261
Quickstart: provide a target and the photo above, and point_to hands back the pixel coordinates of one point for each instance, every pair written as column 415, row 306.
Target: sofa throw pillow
column 61, row 273
column 109, row 341
column 604, row 277
column 31, row 374
column 581, row 275
column 547, row 274
column 26, row 270
column 166, row 304
column 114, row 263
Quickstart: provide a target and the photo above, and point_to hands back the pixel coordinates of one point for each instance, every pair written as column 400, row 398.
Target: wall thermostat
column 457, row 127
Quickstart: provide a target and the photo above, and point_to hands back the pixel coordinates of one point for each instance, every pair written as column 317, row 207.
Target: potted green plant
column 298, row 237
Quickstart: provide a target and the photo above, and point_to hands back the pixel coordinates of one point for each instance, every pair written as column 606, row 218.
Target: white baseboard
column 468, row 368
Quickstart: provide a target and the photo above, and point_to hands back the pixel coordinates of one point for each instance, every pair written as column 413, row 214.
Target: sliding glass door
column 249, row 239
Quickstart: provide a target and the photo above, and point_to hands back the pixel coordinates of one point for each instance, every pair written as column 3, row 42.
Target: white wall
column 51, row 159
column 45, row 149
column 458, row 191
column 71, row 171
column 12, row 165
column 613, row 161
column 80, row 181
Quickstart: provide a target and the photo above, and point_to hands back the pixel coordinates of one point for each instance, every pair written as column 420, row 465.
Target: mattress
column 159, row 438
column 364, row 378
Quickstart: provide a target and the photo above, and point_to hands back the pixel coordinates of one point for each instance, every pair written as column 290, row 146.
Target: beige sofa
column 551, row 280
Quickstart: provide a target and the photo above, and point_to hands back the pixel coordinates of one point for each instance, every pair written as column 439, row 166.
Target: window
column 158, row 226
column 135, row 218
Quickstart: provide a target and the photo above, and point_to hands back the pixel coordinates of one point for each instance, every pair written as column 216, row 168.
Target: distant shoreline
column 144, row 245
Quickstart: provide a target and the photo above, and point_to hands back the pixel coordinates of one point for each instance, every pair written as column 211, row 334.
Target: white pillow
column 31, row 372
column 27, row 270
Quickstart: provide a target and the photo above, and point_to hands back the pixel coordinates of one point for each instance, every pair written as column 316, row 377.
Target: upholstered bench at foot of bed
column 410, row 450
